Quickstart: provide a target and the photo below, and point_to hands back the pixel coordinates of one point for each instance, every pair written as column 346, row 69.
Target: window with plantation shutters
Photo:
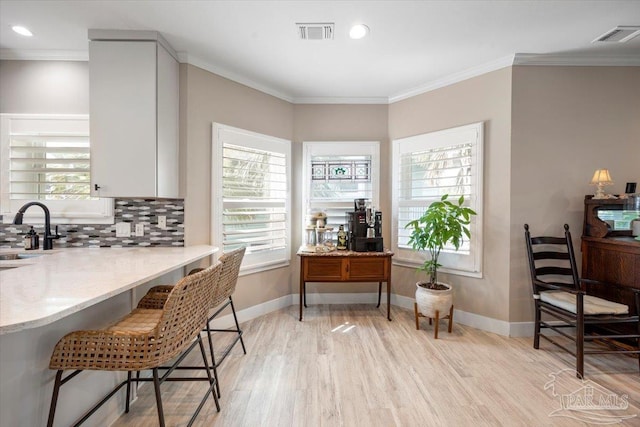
column 251, row 196
column 47, row 159
column 49, row 167
column 425, row 168
column 336, row 173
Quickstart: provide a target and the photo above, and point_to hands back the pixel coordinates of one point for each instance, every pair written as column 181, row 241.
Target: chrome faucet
column 48, row 237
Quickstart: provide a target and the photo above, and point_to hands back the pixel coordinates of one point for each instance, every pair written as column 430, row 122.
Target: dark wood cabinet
column 324, row 269
column 345, row 269
column 611, row 256
column 614, row 260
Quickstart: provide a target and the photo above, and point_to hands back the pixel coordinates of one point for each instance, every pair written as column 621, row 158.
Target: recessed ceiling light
column 358, row 31
column 23, row 31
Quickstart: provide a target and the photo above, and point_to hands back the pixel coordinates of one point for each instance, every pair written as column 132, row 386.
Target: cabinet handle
column 96, row 187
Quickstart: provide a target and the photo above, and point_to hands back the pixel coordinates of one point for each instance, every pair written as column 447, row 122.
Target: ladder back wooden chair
column 146, row 338
column 557, row 293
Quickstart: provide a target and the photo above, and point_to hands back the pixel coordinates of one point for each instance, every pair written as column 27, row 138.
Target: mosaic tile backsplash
column 134, row 211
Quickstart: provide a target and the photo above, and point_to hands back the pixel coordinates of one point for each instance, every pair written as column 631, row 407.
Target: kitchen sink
column 12, row 257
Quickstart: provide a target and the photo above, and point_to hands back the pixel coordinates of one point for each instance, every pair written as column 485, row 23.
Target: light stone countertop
column 60, row 282
column 336, row 253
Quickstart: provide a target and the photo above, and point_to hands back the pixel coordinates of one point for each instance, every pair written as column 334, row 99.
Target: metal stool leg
column 233, row 310
column 54, row 398
column 126, row 405
column 213, row 358
column 156, row 387
column 211, row 379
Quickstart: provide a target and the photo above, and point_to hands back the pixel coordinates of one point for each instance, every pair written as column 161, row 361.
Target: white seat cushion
column 592, row 305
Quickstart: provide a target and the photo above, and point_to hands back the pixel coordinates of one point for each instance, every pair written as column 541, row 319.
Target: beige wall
column 546, row 130
column 485, row 98
column 328, row 122
column 44, row 87
column 567, row 122
column 206, row 98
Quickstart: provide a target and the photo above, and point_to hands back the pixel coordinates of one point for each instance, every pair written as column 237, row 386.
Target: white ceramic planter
column 430, row 300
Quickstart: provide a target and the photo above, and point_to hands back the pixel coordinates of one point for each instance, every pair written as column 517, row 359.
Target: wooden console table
column 345, row 266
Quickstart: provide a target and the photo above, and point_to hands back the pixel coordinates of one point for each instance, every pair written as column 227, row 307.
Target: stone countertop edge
column 66, row 269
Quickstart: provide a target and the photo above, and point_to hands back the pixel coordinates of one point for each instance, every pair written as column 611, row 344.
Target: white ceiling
column 413, row 45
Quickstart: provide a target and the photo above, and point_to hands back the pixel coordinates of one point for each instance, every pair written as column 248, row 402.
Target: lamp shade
column 602, row 177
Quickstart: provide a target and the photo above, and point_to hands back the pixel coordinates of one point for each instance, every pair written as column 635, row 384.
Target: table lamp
column 601, row 178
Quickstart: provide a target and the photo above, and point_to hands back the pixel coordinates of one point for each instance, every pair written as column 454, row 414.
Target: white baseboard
column 252, row 312
column 488, row 324
column 521, row 329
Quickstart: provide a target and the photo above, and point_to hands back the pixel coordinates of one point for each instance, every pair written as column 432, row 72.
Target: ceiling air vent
column 309, row 31
column 619, row 34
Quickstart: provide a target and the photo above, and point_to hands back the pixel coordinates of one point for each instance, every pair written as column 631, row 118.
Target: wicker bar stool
column 146, row 338
column 221, row 298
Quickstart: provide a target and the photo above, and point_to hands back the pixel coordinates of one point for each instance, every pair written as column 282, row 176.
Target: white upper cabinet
column 134, row 87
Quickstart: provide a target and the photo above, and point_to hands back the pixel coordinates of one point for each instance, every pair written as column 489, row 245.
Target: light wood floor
column 346, row 365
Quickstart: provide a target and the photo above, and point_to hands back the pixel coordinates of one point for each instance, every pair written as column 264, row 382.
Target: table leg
column 379, row 293
column 301, row 291
column 301, row 286
column 389, row 299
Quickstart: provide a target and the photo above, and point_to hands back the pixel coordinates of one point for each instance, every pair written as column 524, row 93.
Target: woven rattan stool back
column 148, row 337
column 230, row 263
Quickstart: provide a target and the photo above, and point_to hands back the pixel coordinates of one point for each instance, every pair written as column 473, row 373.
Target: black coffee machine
column 365, row 228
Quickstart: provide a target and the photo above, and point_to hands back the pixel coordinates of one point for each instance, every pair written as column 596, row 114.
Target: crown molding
column 341, row 100
column 520, row 59
column 131, row 35
column 576, row 60
column 44, row 55
column 185, row 58
column 498, row 64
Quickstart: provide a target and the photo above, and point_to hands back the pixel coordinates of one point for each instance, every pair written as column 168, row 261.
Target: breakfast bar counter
column 49, row 285
column 47, row 294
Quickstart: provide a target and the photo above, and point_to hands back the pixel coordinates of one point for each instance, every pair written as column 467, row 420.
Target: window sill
column 252, row 269
column 410, row 264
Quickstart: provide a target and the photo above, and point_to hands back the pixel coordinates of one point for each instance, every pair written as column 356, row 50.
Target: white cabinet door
column 123, row 88
column 168, row 118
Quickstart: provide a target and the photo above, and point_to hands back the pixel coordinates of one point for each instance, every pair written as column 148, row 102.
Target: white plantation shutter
column 252, row 195
column 336, row 173
column 428, row 166
column 47, row 159
column 49, row 167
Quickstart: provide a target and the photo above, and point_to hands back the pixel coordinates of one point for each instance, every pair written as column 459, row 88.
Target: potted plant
column 444, row 222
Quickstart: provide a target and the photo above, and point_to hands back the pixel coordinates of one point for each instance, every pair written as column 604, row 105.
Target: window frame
column 340, row 148
column 452, row 262
column 256, row 262
column 99, row 211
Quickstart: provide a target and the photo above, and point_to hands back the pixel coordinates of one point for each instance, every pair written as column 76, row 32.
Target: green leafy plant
column 442, row 223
